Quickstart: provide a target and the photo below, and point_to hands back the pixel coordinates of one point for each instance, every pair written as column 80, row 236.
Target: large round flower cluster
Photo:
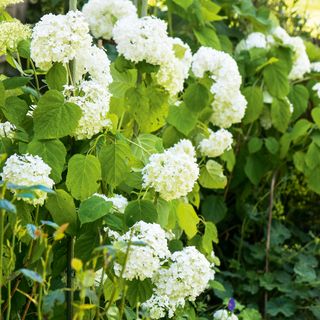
column 11, row 33
column 119, row 202
column 217, row 143
column 28, row 170
column 103, row 14
column 58, row 38
column 187, row 276
column 148, row 251
column 146, row 39
column 172, row 173
column 301, row 62
column 253, row 40
column 93, row 99
column 229, row 104
column 7, row 130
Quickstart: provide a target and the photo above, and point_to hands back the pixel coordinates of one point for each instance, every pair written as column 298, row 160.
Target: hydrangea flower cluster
column 301, row 63
column 119, row 202
column 28, row 170
column 187, row 276
column 103, row 14
column 217, row 143
column 11, row 33
column 223, row 70
column 94, row 103
column 7, row 130
column 58, row 38
column 315, row 66
column 144, row 259
column 146, row 39
column 174, row 172
column 254, row 40
column 224, row 315
column 94, row 62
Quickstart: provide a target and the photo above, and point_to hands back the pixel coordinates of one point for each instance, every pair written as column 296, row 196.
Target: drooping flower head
column 229, row 104
column 28, row 170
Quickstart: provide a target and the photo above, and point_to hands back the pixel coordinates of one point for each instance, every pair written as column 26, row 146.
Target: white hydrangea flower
column 224, row 315
column 7, row 130
column 11, row 33
column 186, row 278
column 146, row 39
column 58, row 38
column 145, row 259
column 172, row 173
column 4, row 3
column 103, row 14
column 223, row 70
column 316, row 88
column 315, row 66
column 119, row 201
column 217, row 143
column 142, row 39
column 175, row 69
column 301, row 62
column 95, row 62
column 94, row 103
column 28, row 170
column 253, row 40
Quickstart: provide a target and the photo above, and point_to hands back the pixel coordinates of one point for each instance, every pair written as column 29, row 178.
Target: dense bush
column 162, row 167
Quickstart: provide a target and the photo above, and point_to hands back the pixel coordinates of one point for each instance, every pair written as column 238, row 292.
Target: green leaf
column 316, row 116
column 209, row 10
column 140, row 210
column 254, row 97
column 63, row 210
column 34, row 276
column 255, row 144
column 114, row 159
column 93, row 209
column 255, row 168
column 196, row 97
column 300, row 129
column 182, row 118
column 298, row 96
column 15, row 82
column 272, row 145
column 187, row 219
column 139, row 291
column 250, row 314
column 280, row 114
column 7, row 206
column 211, row 176
column 312, row 156
column 185, row 4
column 57, row 77
column 122, row 81
column 313, row 178
column 53, row 153
column 15, row 110
column 24, row 48
column 207, row 37
column 145, row 145
column 210, row 235
column 83, row 175
column 213, row 208
column 52, row 298
column 282, row 305
column 53, row 118
column 276, row 78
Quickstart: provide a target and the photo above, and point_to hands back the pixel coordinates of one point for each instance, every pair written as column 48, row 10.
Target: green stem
column 2, row 215
column 35, row 75
column 70, row 255
column 72, row 5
